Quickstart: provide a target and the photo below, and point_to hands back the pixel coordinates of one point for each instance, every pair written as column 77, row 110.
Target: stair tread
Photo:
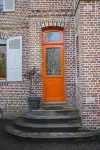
column 52, row 112
column 32, row 116
column 56, row 110
column 81, row 134
column 23, row 123
column 57, row 107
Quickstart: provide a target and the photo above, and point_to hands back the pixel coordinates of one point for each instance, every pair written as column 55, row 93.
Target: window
column 52, row 36
column 1, row 4
column 11, row 59
column 7, row 5
column 2, row 59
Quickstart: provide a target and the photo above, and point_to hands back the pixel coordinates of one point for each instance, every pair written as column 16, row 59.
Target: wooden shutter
column 14, row 59
column 8, row 5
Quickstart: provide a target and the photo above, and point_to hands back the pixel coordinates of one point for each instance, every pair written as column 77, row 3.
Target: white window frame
column 8, row 10
column 7, row 62
column 8, row 40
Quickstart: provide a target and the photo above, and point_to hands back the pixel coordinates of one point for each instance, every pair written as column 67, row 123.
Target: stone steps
column 51, row 117
column 55, row 106
column 42, row 135
column 49, row 124
column 33, row 127
column 45, row 117
column 55, row 112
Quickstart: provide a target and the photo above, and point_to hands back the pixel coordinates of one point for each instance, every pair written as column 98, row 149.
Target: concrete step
column 29, row 126
column 55, row 105
column 31, row 115
column 42, row 135
column 43, row 118
column 54, row 112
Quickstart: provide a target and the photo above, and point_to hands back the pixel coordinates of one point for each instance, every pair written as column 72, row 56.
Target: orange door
column 53, row 72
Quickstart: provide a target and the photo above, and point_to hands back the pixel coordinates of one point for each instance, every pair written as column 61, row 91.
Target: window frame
column 52, row 30
column 8, row 50
column 3, row 9
column 2, row 51
column 7, row 10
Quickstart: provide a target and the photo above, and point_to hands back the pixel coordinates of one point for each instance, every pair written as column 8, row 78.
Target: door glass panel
column 53, row 61
column 52, row 36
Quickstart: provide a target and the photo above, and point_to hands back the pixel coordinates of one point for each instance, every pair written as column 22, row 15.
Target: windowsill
column 3, row 80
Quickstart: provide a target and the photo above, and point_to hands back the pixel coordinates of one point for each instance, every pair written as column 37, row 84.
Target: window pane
column 9, row 4
column 2, row 65
column 3, row 41
column 14, row 44
column 52, row 36
column 53, row 61
column 2, row 48
column 1, row 4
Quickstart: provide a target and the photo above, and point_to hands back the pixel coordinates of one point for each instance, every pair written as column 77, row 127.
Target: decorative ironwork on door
column 53, row 61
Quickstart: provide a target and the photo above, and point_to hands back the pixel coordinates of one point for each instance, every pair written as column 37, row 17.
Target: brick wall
column 57, row 9
column 78, row 60
column 13, row 95
column 90, row 63
column 80, row 90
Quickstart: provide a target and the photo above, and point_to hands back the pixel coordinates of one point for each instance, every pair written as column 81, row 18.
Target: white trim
column 8, row 40
column 14, row 38
column 8, row 10
column 3, row 81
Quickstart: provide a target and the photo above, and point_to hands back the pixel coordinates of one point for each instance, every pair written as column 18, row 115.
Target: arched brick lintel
column 52, row 23
column 3, row 35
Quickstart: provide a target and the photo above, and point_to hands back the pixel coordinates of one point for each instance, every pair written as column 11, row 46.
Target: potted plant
column 34, row 78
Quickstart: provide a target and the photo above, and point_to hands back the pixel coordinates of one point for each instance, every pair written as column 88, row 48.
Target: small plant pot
column 34, row 102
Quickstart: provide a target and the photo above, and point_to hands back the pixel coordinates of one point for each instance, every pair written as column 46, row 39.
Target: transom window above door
column 53, row 36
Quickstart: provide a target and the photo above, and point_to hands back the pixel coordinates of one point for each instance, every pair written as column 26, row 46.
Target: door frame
column 51, row 45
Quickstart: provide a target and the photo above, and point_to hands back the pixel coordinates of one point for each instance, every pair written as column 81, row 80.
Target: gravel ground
column 11, row 143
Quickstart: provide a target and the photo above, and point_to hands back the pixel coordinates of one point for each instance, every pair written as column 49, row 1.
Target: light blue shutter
column 8, row 5
column 14, row 59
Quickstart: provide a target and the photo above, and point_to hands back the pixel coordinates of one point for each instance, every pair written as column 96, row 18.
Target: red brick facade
column 89, row 81
column 81, row 48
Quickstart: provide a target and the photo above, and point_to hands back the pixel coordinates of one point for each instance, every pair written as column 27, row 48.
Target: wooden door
column 53, row 68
